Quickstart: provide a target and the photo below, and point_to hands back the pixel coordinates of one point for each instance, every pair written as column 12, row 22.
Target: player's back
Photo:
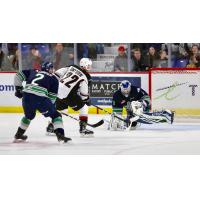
column 70, row 79
column 41, row 83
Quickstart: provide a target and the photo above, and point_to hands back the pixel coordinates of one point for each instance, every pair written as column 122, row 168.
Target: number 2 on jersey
column 39, row 77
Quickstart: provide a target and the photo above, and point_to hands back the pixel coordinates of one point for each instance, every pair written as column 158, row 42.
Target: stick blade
column 97, row 124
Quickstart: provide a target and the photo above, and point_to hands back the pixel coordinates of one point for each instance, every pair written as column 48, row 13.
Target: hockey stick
column 124, row 120
column 92, row 125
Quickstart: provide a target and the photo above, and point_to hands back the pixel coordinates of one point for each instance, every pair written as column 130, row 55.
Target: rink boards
column 174, row 89
column 102, row 88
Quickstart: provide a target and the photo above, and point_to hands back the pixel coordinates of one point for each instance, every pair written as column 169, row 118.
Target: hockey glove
column 87, row 101
column 135, row 107
column 18, row 92
column 144, row 105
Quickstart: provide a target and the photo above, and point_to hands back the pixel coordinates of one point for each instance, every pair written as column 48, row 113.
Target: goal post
column 176, row 89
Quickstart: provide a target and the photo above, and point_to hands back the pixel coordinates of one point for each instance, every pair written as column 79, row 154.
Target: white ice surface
column 179, row 138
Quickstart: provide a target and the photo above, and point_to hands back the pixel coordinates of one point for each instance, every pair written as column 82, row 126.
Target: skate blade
column 50, row 134
column 65, row 142
column 19, row 141
column 87, row 136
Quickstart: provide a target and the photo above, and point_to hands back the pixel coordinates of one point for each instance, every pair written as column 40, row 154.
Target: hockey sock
column 60, row 131
column 24, row 124
column 83, row 118
column 57, row 123
column 83, row 122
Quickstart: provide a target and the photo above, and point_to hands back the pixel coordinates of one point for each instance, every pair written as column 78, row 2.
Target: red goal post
column 176, row 89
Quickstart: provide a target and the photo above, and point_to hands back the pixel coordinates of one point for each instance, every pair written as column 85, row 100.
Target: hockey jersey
column 40, row 83
column 73, row 78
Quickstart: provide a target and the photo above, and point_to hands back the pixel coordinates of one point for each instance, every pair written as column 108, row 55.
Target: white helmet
column 86, row 63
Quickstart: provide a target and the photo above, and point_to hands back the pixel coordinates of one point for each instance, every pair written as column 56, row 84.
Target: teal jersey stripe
column 40, row 91
column 21, row 77
column 52, row 95
column 35, row 87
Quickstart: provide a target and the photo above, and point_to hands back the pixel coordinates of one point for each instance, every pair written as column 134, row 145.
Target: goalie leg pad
column 116, row 124
column 165, row 116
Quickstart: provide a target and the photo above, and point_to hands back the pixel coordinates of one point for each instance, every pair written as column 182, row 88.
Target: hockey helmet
column 86, row 63
column 46, row 66
column 125, row 87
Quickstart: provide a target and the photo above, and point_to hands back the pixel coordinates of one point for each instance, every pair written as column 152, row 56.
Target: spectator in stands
column 162, row 62
column 61, row 57
column 5, row 64
column 183, row 54
column 34, row 58
column 188, row 46
column 144, row 47
column 99, row 48
column 151, row 57
column 12, row 54
column 15, row 61
column 71, row 59
column 83, row 50
column 194, row 58
column 138, row 60
column 121, row 61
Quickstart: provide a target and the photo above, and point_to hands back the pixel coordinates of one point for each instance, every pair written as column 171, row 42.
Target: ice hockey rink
column 179, row 138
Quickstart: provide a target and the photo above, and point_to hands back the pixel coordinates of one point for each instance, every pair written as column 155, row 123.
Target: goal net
column 176, row 89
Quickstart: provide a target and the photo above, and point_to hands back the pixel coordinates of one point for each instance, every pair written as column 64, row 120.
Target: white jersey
column 72, row 77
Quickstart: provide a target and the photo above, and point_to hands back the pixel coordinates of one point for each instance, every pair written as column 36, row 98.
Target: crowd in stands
column 145, row 56
column 59, row 54
column 32, row 55
column 106, row 56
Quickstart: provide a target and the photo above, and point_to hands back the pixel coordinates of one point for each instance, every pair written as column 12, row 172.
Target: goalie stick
column 124, row 120
column 99, row 123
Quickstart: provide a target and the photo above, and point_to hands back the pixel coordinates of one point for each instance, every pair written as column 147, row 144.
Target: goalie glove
column 18, row 91
column 135, row 107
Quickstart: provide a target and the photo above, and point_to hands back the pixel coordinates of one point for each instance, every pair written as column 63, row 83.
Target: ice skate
column 19, row 136
column 85, row 132
column 61, row 137
column 50, row 129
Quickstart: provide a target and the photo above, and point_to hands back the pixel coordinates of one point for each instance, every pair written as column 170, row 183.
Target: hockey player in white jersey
column 74, row 92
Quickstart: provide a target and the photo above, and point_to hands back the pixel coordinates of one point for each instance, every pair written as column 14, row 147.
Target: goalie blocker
column 137, row 104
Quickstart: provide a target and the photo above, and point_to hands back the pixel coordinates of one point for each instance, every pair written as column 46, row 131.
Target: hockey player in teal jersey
column 39, row 93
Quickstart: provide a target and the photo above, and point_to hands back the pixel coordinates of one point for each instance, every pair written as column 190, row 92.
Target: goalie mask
column 125, row 87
